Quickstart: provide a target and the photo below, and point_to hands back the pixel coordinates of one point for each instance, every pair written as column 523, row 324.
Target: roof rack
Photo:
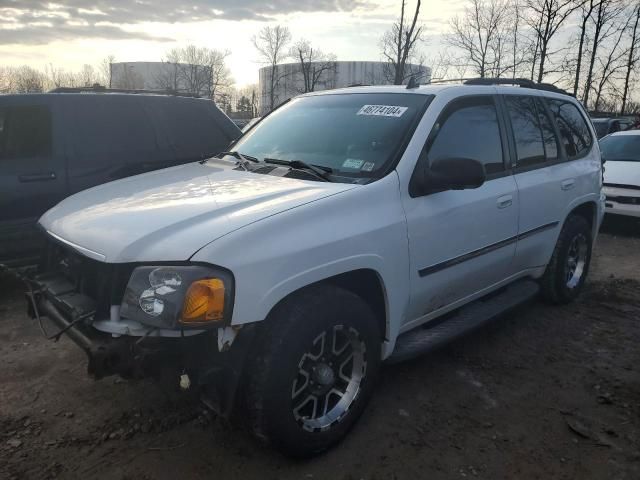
column 101, row 89
column 520, row 82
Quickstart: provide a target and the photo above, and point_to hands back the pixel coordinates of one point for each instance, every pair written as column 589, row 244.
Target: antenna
column 413, row 83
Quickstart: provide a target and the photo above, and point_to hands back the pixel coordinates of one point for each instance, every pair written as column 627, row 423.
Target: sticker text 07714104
column 382, row 110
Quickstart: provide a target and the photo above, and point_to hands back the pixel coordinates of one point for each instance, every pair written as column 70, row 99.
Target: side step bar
column 426, row 339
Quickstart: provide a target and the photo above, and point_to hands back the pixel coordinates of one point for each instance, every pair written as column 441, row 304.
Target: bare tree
column 28, row 80
column 632, row 58
column 271, row 44
column 605, row 25
column 195, row 70
column 399, row 45
column 104, row 70
column 608, row 66
column 313, row 65
column 6, row 80
column 586, row 10
column 482, row 34
column 545, row 17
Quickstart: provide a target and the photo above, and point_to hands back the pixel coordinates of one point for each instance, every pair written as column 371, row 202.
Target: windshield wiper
column 240, row 156
column 319, row 171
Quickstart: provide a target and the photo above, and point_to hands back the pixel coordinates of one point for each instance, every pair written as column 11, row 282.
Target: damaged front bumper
column 213, row 359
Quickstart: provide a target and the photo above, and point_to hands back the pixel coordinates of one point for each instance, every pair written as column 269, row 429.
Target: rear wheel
column 569, row 265
column 315, row 371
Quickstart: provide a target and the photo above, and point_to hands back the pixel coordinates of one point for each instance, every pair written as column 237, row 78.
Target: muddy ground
column 547, row 392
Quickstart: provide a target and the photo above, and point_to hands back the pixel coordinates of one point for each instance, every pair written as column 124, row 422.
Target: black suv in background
column 53, row 145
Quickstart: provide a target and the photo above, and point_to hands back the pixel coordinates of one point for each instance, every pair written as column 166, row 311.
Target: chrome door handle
column 568, row 184
column 505, row 201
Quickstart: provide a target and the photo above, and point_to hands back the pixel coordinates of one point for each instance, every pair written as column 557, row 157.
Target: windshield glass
column 621, row 148
column 355, row 134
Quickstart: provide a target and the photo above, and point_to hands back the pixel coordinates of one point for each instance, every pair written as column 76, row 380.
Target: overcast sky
column 70, row 33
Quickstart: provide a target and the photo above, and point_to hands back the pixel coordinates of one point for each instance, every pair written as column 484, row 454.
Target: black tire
column 286, row 340
column 555, row 286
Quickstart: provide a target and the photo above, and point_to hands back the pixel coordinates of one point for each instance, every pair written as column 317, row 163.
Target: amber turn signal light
column 204, row 302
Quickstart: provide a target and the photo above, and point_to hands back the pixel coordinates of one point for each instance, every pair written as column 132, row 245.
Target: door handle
column 568, row 184
column 505, row 201
column 37, row 177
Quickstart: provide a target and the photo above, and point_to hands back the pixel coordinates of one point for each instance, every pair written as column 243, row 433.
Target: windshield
column 621, row 148
column 355, row 134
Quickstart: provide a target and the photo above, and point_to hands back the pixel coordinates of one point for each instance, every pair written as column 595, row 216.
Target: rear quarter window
column 575, row 134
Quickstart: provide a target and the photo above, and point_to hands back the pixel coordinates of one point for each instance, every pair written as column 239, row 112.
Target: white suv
column 337, row 234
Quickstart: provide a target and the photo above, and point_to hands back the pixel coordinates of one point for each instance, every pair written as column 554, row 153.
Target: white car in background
column 621, row 152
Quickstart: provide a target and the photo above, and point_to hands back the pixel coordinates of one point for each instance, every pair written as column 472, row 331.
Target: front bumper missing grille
column 73, row 314
column 216, row 368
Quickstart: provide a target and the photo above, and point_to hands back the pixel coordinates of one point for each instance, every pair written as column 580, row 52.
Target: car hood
column 622, row 173
column 168, row 215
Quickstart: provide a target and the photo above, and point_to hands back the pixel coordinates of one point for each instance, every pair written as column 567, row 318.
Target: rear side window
column 25, row 131
column 468, row 128
column 190, row 126
column 527, row 133
column 573, row 128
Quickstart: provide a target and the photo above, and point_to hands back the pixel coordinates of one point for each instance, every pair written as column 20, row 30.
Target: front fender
column 363, row 228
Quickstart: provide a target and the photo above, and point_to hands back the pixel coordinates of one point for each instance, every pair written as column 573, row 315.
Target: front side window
column 356, row 134
column 574, row 131
column 25, row 131
column 468, row 128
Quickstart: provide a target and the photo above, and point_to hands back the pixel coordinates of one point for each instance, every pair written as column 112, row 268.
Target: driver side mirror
column 454, row 174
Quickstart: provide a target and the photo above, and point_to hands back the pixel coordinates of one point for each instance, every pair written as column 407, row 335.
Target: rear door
column 548, row 142
column 32, row 171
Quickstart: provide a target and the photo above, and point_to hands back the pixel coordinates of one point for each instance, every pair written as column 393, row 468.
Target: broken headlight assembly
column 179, row 296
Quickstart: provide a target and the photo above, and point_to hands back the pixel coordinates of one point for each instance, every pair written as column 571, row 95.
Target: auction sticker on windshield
column 382, row 110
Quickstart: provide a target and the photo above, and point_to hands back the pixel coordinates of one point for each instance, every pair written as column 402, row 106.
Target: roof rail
column 101, row 89
column 520, row 82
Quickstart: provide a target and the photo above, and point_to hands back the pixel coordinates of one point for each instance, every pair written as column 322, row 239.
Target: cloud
column 42, row 21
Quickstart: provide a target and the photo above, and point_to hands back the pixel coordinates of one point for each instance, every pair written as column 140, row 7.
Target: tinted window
column 548, row 133
column 526, row 130
column 25, row 131
column 574, row 131
column 468, row 128
column 621, row 148
column 110, row 124
column 355, row 134
column 191, row 127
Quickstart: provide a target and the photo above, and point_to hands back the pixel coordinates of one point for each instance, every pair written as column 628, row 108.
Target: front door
column 462, row 241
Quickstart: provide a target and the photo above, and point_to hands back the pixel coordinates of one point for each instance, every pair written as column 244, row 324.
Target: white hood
column 168, row 215
column 622, row 173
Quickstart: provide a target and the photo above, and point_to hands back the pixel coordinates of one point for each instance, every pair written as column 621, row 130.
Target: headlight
column 178, row 296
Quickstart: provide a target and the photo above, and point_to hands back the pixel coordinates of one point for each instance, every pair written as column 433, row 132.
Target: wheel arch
column 366, row 283
column 589, row 211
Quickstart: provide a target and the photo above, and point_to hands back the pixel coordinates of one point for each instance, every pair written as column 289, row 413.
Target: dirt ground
column 547, row 392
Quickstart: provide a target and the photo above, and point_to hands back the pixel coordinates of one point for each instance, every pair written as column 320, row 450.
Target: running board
column 469, row 317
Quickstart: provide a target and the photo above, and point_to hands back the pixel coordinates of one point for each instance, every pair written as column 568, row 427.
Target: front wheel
column 567, row 270
column 315, row 370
